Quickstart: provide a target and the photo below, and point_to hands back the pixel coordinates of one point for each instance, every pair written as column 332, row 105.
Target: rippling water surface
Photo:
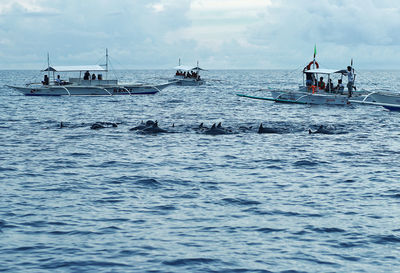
column 113, row 200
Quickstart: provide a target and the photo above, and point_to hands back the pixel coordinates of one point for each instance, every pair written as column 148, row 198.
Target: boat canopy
column 187, row 68
column 75, row 68
column 325, row 71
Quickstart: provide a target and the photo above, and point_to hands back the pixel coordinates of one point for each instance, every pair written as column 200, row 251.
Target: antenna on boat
column 48, row 64
column 179, row 61
column 107, row 59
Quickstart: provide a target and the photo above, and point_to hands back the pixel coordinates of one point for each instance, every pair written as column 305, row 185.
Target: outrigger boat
column 88, row 85
column 310, row 93
column 187, row 75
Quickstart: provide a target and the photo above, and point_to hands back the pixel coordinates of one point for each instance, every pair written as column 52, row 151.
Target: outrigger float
column 86, row 84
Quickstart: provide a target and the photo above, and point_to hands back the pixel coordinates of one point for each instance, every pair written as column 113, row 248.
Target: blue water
column 113, row 200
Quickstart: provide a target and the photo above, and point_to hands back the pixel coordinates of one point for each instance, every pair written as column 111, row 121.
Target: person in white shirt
column 58, row 80
column 339, row 87
column 350, row 81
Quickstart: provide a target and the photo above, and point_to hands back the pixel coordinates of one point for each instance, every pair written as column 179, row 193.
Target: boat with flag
column 314, row 90
column 187, row 75
column 86, row 80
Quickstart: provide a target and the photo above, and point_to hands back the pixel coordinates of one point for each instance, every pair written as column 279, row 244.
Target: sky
column 220, row 34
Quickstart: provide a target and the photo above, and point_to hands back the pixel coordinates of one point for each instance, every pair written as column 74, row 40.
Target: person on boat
column 93, row 76
column 309, row 79
column 86, row 76
column 350, row 82
column 99, row 77
column 329, row 86
column 58, row 80
column 321, row 83
column 45, row 80
column 339, row 87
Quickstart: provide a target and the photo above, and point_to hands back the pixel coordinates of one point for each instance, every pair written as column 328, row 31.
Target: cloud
column 221, row 34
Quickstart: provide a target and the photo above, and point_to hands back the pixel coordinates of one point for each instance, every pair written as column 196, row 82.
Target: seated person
column 86, row 76
column 100, row 77
column 321, row 83
column 58, row 80
column 329, row 86
column 45, row 80
column 93, row 76
column 339, row 86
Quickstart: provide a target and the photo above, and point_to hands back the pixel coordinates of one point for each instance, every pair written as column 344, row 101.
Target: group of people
column 87, row 76
column 189, row 74
column 312, row 83
column 58, row 81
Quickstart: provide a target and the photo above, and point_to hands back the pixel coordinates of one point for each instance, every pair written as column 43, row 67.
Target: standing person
column 350, row 81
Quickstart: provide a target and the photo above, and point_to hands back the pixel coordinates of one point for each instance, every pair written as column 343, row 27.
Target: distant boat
column 187, row 75
column 86, row 84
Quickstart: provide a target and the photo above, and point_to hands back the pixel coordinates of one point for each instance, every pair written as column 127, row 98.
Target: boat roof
column 325, row 71
column 75, row 68
column 187, row 68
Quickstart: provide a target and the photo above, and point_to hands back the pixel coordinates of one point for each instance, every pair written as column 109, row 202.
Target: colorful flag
column 315, row 51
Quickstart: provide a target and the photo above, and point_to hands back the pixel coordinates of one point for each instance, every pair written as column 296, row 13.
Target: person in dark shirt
column 86, row 76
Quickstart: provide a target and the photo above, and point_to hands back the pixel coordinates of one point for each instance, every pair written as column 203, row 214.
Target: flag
column 315, row 51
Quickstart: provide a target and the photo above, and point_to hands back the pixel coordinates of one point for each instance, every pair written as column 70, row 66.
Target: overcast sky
column 221, row 34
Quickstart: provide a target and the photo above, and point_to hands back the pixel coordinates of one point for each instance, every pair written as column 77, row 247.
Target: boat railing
column 92, row 82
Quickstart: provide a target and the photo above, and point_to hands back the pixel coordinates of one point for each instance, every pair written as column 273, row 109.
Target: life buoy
column 308, row 67
column 313, row 88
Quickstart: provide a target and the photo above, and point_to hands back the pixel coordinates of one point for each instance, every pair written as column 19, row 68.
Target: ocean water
column 114, row 200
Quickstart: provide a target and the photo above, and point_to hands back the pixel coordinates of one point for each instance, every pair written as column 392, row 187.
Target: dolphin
column 266, row 130
column 215, row 130
column 321, row 130
column 101, row 125
column 141, row 126
column 153, row 129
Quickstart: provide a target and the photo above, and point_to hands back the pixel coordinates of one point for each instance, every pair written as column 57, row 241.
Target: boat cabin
column 89, row 75
column 187, row 72
column 321, row 79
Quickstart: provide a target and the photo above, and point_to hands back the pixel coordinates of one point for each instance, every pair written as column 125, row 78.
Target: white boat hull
column 309, row 98
column 72, row 90
column 187, row 81
column 378, row 97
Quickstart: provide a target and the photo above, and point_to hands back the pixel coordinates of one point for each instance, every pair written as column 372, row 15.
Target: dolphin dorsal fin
column 201, row 125
column 213, row 127
column 219, row 125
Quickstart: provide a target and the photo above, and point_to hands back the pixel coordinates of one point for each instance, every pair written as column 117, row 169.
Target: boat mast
column 106, row 63
column 48, row 65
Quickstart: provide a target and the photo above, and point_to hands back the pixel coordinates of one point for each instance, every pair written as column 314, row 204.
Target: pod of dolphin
column 151, row 127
